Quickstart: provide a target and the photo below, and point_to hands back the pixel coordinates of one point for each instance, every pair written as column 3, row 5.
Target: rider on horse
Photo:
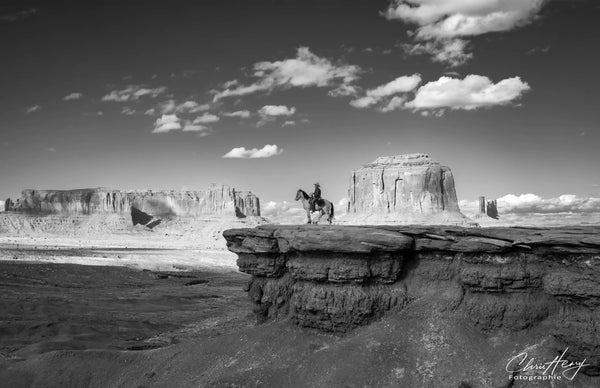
column 315, row 196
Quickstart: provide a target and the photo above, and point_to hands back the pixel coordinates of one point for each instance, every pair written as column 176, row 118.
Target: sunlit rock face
column 217, row 200
column 403, row 189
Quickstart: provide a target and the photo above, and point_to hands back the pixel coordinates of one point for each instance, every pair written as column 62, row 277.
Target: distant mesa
column 218, row 199
column 403, row 189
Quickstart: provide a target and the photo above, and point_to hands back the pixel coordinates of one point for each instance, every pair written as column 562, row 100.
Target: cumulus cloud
column 206, row 118
column 243, row 114
column 1, row 206
column 305, row 70
column 242, row 153
column 472, row 92
column 400, row 85
column 283, row 212
column 532, row 209
column 33, row 109
column 531, row 203
column 271, row 112
column 133, row 93
column 444, row 22
column 167, row 123
column 73, row 96
column 276, row 110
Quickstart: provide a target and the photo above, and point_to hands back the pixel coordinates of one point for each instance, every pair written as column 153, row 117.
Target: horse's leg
column 321, row 214
column 308, row 216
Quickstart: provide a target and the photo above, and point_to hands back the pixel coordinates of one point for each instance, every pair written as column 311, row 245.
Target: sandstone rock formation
column 492, row 209
column 217, row 200
column 403, row 189
column 489, row 208
column 8, row 205
column 541, row 286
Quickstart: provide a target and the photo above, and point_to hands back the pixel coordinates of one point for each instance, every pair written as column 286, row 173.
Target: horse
column 321, row 205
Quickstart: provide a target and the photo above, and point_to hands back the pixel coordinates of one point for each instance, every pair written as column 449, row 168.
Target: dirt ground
column 46, row 307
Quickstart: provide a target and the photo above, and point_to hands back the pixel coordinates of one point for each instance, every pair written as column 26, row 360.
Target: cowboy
column 315, row 196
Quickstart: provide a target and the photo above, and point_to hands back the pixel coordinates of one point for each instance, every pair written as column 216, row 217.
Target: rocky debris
column 498, row 280
column 403, row 189
column 217, row 200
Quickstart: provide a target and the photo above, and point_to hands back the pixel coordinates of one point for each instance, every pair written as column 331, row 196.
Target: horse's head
column 298, row 195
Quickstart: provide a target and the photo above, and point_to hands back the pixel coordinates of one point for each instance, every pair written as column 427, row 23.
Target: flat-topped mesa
column 403, row 189
column 216, row 200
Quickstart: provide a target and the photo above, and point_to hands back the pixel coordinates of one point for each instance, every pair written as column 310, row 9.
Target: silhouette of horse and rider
column 314, row 202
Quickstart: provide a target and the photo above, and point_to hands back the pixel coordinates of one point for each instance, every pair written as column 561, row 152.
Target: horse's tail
column 332, row 210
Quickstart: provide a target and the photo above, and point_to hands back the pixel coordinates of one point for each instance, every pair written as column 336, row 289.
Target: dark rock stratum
column 499, row 281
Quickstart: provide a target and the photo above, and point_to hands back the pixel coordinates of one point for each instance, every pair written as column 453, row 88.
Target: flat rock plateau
column 337, row 306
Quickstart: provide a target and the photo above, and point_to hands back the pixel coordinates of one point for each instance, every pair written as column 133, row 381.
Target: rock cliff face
column 403, row 189
column 217, row 200
column 539, row 287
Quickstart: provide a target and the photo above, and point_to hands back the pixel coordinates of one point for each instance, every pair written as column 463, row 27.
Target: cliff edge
column 535, row 288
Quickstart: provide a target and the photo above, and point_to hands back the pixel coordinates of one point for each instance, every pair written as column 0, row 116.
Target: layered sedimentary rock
column 539, row 286
column 403, row 189
column 217, row 200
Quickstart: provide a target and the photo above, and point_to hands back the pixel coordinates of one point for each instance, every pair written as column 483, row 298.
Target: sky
column 274, row 95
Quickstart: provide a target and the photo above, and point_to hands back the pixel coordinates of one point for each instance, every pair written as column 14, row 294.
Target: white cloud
column 167, row 123
column 1, row 206
column 127, row 111
column 266, row 152
column 288, row 123
column 171, row 106
column 150, row 112
column 344, row 90
column 283, row 212
column 276, row 110
column 397, row 102
column 306, row 70
column 531, row 203
column 363, row 102
column 450, row 51
column 243, row 114
column 442, row 21
column 531, row 209
column 271, row 112
column 73, row 96
column 33, row 109
column 201, row 129
column 191, row 107
column 133, row 93
column 400, row 85
column 472, row 92
column 206, row 118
